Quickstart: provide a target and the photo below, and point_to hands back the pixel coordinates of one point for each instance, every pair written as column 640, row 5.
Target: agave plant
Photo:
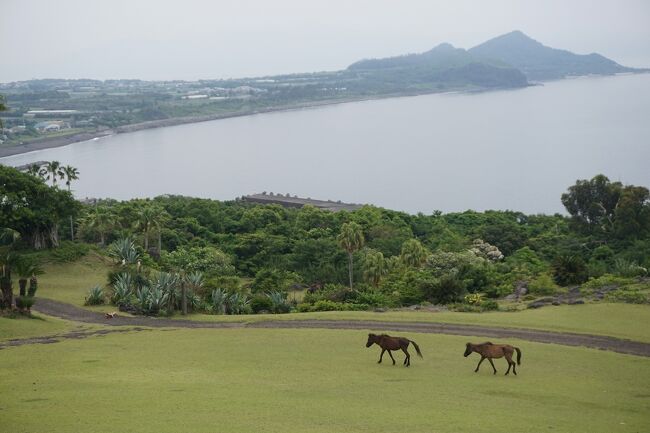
column 237, row 303
column 95, row 296
column 123, row 251
column 168, row 284
column 194, row 301
column 142, row 299
column 157, row 300
column 279, row 302
column 218, row 299
column 195, row 281
column 122, row 289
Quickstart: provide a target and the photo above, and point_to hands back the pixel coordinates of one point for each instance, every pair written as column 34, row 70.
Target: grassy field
column 70, row 282
column 25, row 327
column 244, row 380
column 616, row 320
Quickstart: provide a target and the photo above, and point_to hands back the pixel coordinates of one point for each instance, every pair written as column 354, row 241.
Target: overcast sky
column 191, row 39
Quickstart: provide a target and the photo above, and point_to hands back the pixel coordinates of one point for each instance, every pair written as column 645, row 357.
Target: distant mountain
column 539, row 62
column 443, row 67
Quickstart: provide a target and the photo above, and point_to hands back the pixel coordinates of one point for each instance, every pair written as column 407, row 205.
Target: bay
column 516, row 149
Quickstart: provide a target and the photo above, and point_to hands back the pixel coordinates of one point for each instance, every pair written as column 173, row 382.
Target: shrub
column 447, row 289
column 569, row 269
column 489, row 305
column 268, row 280
column 628, row 296
column 331, row 292
column 625, row 268
column 261, row 303
column 374, row 299
column 473, row 299
column 486, row 305
column 607, row 280
column 69, row 251
column 25, row 302
column 95, row 296
column 227, row 282
column 325, row 305
column 208, row 260
column 543, row 285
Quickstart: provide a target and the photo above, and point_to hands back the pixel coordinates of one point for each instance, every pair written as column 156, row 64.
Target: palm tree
column 374, row 267
column 351, row 240
column 25, row 269
column 70, row 174
column 151, row 218
column 53, row 169
column 8, row 259
column 36, row 171
column 102, row 219
column 414, row 254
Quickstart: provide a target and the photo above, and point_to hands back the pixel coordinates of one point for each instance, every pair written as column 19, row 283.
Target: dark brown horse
column 388, row 343
column 490, row 351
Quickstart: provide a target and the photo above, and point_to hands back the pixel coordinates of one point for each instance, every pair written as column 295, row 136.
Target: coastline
column 53, row 142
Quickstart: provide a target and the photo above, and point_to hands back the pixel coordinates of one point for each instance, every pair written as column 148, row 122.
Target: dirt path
column 70, row 312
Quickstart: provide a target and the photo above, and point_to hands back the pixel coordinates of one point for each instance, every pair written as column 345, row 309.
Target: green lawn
column 26, row 327
column 245, row 380
column 617, row 320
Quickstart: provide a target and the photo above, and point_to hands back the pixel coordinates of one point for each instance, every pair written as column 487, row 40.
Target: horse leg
column 391, row 356
column 407, row 360
column 510, row 364
column 493, row 367
column 381, row 356
column 479, row 363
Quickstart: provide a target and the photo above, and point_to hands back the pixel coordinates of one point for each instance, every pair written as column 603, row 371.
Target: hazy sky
column 192, row 39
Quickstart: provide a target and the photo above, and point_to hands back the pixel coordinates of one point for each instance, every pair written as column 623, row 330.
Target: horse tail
column 518, row 356
column 417, row 348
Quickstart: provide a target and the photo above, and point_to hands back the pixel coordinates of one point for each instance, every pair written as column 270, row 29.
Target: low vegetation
column 174, row 253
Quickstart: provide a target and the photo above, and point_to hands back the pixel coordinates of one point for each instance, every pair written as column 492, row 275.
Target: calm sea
column 516, row 150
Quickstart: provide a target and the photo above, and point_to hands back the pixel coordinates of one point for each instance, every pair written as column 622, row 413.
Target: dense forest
column 370, row 258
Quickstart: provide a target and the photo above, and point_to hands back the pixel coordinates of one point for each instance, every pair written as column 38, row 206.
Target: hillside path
column 73, row 313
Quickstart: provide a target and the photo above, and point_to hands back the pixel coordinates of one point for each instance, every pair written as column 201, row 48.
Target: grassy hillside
column 69, row 282
column 311, row 381
column 38, row 326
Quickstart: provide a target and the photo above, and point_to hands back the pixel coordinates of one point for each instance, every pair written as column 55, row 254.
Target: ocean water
column 516, row 149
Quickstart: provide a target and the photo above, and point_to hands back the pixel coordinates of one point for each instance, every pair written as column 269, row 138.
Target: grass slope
column 616, row 320
column 28, row 327
column 70, row 282
column 311, row 381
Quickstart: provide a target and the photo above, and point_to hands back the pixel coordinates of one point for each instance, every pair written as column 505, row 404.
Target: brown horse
column 388, row 343
column 490, row 351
